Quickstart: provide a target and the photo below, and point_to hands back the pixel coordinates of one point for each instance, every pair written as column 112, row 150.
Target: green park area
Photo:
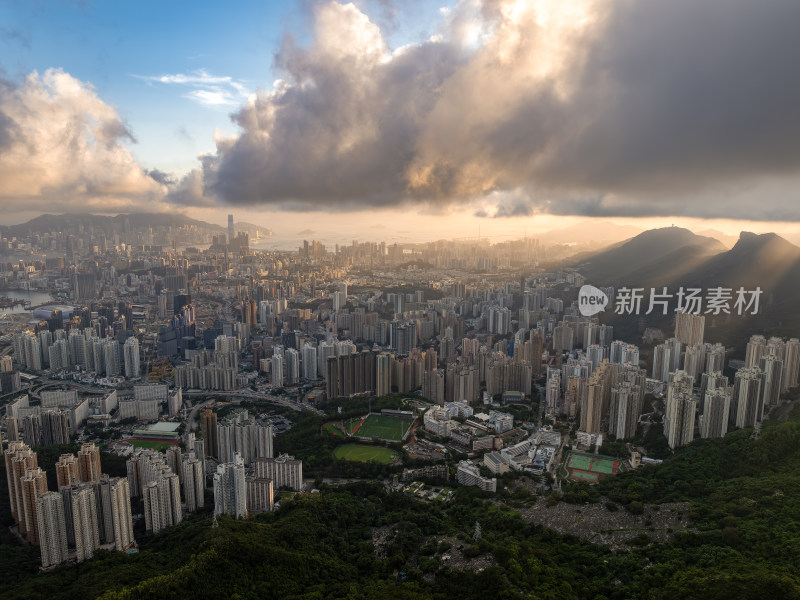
column 362, row 453
column 384, row 427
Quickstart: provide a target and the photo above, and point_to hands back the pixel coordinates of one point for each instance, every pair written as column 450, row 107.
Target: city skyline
column 333, row 113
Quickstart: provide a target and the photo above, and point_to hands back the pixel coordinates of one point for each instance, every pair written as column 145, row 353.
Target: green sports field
column 603, row 465
column 590, row 467
column 360, row 453
column 160, row 446
column 333, row 429
column 384, row 427
column 580, row 462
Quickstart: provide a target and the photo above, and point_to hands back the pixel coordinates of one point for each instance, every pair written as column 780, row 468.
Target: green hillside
column 744, row 493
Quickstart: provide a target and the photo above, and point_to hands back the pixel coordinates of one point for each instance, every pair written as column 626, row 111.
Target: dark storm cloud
column 683, row 93
column 161, row 177
column 644, row 108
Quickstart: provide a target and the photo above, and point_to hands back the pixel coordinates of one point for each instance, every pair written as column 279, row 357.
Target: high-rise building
column 383, row 378
column 772, row 368
column 175, row 461
column 162, row 502
column 792, row 364
column 33, row 484
column 277, row 370
column 32, row 429
column 66, row 470
column 627, row 399
column 84, row 521
column 230, row 229
column 715, row 358
column 598, row 397
column 209, row 428
column 563, row 338
column 747, row 399
column 716, row 412
column 433, row 386
column 121, row 513
column 662, row 362
column 84, row 285
column 230, row 489
column 260, row 495
column 132, row 368
column 309, row 362
column 553, row 392
column 681, row 408
column 712, row 380
column 89, row 463
column 12, row 429
column 694, row 360
column 19, row 458
column 55, row 427
column 193, row 483
column 285, row 471
column 675, row 353
column 52, row 529
column 689, row 328
column 239, row 433
column 755, row 350
column 292, row 366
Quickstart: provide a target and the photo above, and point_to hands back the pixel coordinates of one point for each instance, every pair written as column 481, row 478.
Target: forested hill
column 744, row 492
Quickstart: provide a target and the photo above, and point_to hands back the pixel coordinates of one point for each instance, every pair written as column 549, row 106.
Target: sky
column 440, row 118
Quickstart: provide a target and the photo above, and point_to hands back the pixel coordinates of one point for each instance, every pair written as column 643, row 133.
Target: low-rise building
column 468, row 474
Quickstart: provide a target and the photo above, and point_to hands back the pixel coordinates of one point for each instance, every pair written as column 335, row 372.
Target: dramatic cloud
column 517, row 107
column 208, row 90
column 62, row 148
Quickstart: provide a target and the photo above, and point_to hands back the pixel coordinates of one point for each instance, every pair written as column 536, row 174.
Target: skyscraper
column 19, row 458
column 772, row 368
column 66, row 470
column 747, row 397
column 132, row 368
column 162, row 502
column 121, row 512
column 716, row 409
column 230, row 229
column 689, row 328
column 755, row 350
column 260, row 495
column 33, row 484
column 230, row 489
column 55, row 427
column 284, row 471
column 792, row 364
column 715, row 358
column 193, row 483
column 239, row 433
column 105, row 517
column 52, row 529
column 209, row 427
column 661, row 362
column 84, row 521
column 89, row 463
column 681, row 409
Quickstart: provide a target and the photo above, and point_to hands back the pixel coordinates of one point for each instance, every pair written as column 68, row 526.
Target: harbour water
column 35, row 298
